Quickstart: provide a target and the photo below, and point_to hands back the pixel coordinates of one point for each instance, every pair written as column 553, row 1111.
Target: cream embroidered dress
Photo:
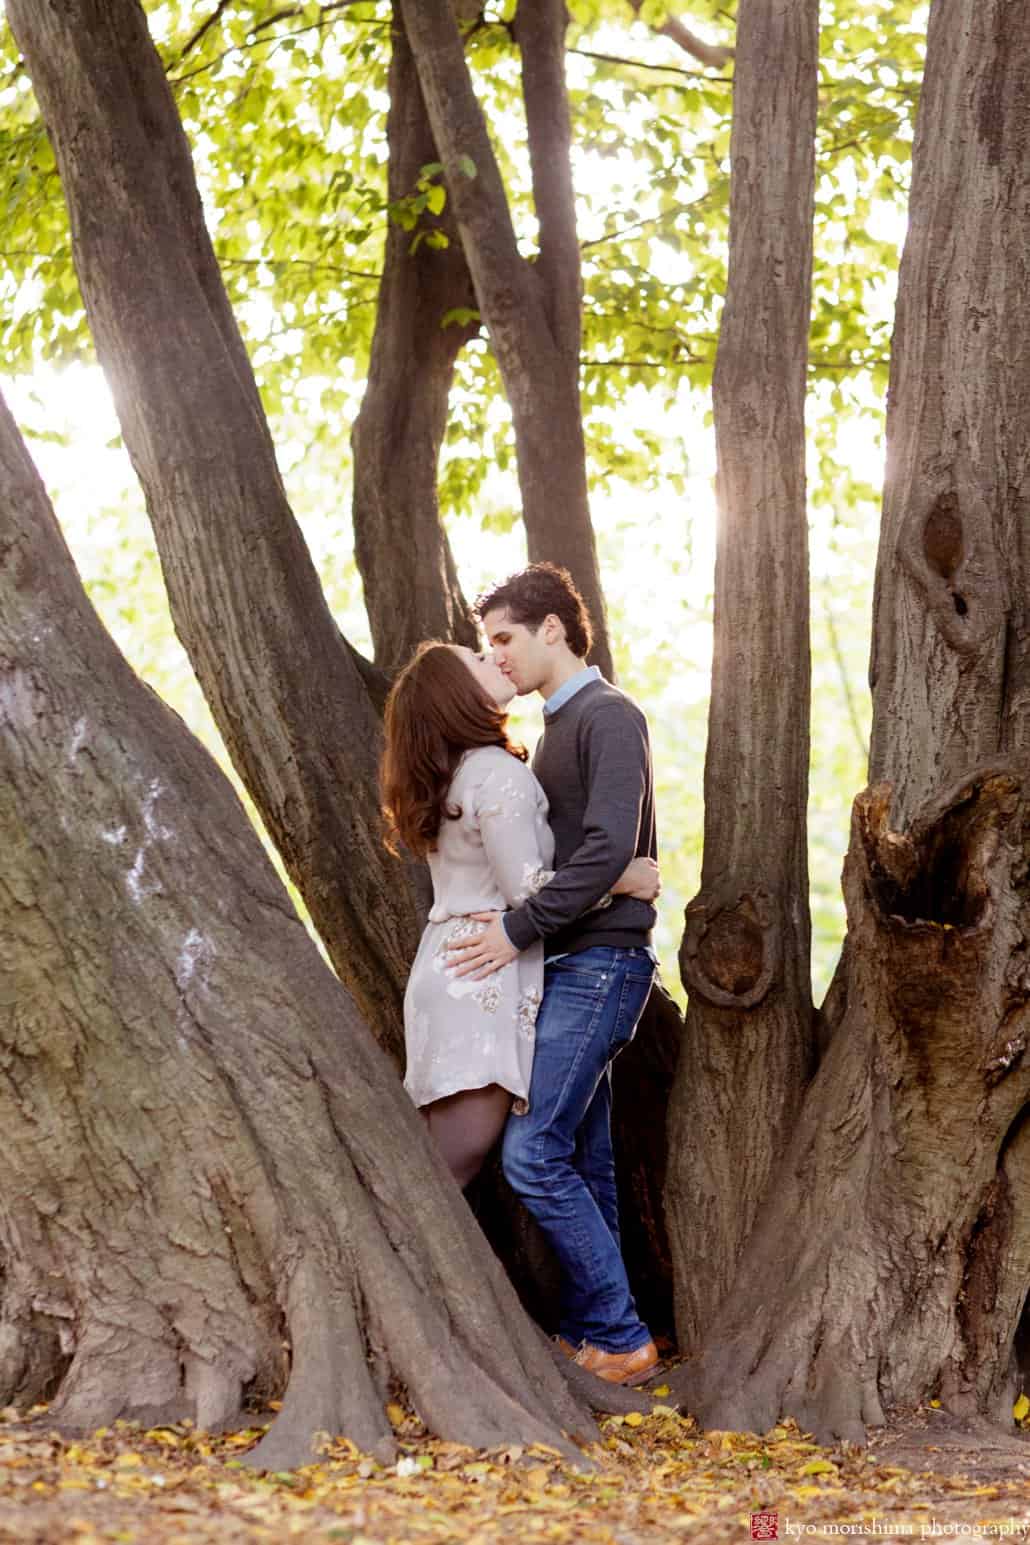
column 462, row 1034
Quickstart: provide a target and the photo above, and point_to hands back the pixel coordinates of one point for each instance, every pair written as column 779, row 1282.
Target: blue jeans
column 558, row 1157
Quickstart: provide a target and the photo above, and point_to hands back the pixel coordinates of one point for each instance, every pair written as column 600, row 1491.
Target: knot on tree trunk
column 957, row 570
column 731, row 948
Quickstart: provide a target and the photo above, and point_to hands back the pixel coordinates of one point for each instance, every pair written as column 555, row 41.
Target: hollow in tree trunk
column 891, row 1254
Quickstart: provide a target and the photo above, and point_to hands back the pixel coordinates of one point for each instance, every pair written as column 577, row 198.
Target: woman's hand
column 640, row 878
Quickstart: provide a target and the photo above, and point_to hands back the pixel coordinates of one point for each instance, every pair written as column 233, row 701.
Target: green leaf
column 459, row 316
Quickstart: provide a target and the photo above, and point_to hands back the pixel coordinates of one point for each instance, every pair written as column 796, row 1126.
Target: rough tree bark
column 745, row 953
column 532, row 311
column 208, row 1160
column 950, row 667
column 411, row 587
column 294, row 704
column 891, row 1258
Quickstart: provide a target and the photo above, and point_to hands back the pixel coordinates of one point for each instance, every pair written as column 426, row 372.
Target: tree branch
column 646, row 64
column 712, row 54
column 541, row 380
column 204, row 28
column 407, row 567
column 254, row 40
column 474, row 182
column 540, row 34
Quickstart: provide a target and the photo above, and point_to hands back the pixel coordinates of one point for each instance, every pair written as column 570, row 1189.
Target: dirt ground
column 652, row 1478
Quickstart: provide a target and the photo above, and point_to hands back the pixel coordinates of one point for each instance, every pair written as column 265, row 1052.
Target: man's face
column 524, row 656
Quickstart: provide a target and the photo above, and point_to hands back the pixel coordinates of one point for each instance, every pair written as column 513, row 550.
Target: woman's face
column 488, row 673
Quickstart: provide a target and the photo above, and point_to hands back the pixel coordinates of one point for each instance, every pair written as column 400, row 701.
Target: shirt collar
column 569, row 688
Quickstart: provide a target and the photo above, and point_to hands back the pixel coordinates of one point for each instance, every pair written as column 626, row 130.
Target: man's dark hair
column 541, row 591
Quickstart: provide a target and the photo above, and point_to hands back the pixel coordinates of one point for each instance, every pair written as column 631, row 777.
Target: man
column 594, row 763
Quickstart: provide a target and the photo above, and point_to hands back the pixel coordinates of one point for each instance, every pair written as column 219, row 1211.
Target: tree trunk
column 642, row 1079
column 950, row 666
column 745, row 955
column 533, row 321
column 288, row 695
column 213, row 1183
column 411, row 588
column 904, row 1197
column 890, row 1260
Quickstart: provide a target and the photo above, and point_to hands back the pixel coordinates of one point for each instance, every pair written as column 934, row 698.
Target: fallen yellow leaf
column 818, row 1467
column 633, row 1418
column 1021, row 1408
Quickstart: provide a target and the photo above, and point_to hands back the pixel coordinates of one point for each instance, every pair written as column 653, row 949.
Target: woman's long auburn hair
column 436, row 711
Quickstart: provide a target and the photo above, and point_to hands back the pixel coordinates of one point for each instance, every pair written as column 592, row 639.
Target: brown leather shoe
column 619, row 1367
column 566, row 1347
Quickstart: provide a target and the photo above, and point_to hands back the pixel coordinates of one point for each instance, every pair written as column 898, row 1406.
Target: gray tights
column 465, row 1127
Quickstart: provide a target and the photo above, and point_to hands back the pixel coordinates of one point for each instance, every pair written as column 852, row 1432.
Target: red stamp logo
column 765, row 1526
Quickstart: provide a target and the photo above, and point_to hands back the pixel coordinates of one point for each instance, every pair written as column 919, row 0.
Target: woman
column 457, row 792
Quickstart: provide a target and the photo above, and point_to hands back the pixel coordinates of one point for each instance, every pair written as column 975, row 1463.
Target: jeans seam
column 626, row 980
column 571, row 1071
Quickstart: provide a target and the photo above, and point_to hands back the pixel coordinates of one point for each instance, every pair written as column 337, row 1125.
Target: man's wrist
column 518, row 930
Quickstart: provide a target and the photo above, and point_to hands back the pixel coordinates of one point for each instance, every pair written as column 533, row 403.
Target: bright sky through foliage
column 299, row 119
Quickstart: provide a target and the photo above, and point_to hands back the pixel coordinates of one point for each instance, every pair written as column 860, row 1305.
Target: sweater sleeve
column 505, row 807
column 616, row 760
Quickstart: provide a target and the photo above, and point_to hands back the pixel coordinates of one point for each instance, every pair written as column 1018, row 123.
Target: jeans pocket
column 633, row 996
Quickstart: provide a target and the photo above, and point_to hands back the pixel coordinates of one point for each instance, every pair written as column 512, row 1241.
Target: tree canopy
column 286, row 109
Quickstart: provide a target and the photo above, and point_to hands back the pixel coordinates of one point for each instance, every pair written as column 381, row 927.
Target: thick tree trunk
column 532, row 320
column 748, row 1044
column 891, row 1257
column 288, row 695
column 950, row 664
column 890, row 1260
column 411, row 588
column 213, row 1183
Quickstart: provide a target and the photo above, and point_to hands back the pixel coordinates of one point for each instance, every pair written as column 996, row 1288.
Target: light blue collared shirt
column 569, row 688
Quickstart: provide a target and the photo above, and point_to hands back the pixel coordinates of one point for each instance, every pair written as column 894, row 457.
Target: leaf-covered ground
column 653, row 1478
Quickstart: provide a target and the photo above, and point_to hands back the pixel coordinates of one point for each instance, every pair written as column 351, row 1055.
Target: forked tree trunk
column 745, row 954
column 213, row 1183
column 533, row 314
column 892, row 1254
column 411, row 588
column 296, row 706
column 290, row 698
column 531, row 311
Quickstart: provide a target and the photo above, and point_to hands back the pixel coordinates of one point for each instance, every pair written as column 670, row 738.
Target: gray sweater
column 594, row 762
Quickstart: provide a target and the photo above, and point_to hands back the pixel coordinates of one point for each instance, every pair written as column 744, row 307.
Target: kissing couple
column 536, row 961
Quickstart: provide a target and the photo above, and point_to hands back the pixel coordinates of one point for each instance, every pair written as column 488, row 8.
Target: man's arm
column 617, row 761
column 617, row 758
